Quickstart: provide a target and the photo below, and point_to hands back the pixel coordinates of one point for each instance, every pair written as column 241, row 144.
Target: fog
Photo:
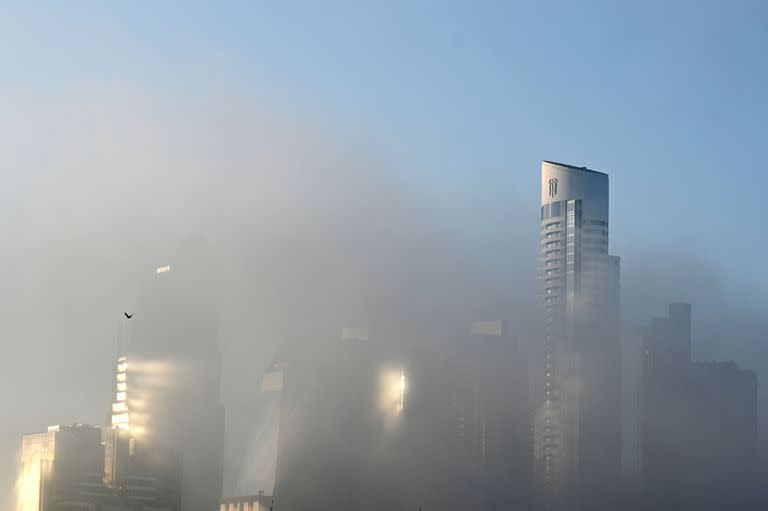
column 312, row 228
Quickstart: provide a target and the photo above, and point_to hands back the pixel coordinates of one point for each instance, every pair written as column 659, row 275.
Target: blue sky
column 466, row 98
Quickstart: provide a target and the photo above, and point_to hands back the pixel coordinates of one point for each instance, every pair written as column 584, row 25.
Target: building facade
column 335, row 448
column 171, row 399
column 364, row 425
column 495, row 416
column 699, row 419
column 61, row 469
column 577, row 440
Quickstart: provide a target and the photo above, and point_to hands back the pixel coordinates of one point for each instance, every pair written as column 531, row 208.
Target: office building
column 173, row 376
column 665, row 415
column 364, row 424
column 699, row 419
column 723, row 435
column 333, row 420
column 61, row 469
column 578, row 378
column 140, row 474
column 465, row 431
column 495, row 416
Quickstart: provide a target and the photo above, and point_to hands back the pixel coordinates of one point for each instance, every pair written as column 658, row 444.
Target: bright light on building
column 120, row 420
column 164, row 269
column 402, row 390
column 392, row 386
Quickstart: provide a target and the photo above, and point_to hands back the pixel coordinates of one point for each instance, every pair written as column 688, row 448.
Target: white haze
column 312, row 228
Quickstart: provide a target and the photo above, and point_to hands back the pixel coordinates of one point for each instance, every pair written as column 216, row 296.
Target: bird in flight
column 129, row 316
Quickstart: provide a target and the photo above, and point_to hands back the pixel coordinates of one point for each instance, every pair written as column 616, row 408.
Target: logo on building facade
column 552, row 187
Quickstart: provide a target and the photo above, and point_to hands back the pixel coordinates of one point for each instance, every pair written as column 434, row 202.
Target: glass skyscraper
column 577, row 423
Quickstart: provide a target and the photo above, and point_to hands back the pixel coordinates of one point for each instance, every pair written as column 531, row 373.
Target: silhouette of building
column 140, row 475
column 699, row 419
column 577, row 382
column 723, row 435
column 665, row 398
column 64, row 469
column 366, row 425
column 496, row 415
column 61, row 469
column 333, row 425
column 172, row 399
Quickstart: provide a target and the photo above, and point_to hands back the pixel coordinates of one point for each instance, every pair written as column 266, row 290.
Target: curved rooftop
column 565, row 165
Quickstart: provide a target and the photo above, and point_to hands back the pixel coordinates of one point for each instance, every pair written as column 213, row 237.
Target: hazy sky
column 467, row 97
column 415, row 128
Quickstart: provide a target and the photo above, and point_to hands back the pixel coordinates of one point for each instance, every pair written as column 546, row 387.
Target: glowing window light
column 121, row 377
column 122, row 386
column 119, row 407
column 122, row 367
column 121, row 396
column 164, row 269
column 120, row 420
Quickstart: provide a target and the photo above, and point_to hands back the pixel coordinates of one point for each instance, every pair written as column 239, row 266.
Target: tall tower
column 140, row 469
column 577, row 423
column 174, row 372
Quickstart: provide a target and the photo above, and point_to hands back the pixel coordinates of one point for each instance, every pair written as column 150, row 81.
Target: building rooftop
column 573, row 167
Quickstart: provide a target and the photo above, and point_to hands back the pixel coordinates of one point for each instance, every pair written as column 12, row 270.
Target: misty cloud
column 313, row 230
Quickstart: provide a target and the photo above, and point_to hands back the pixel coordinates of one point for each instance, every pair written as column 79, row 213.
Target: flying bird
column 129, row 316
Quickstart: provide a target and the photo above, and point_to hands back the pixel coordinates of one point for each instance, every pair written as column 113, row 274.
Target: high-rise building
column 364, row 424
column 699, row 420
column 168, row 395
column 495, row 416
column 578, row 421
column 64, row 469
column 140, row 475
column 666, row 359
column 61, row 469
column 139, row 469
column 332, row 447
column 466, row 429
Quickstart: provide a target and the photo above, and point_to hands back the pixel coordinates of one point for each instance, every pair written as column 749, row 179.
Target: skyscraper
column 665, row 420
column 332, row 448
column 173, row 376
column 140, row 470
column 496, row 416
column 699, row 420
column 577, row 423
